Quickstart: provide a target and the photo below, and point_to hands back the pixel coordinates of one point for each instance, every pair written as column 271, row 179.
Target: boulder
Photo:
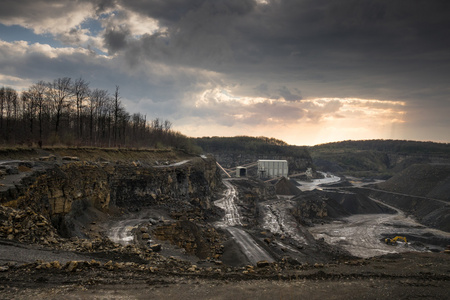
column 262, row 263
column 70, row 158
column 71, row 266
column 155, row 247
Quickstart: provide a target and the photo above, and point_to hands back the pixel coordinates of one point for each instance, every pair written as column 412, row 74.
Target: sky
column 304, row 71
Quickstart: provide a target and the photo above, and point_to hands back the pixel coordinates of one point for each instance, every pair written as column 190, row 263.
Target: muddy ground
column 398, row 276
column 323, row 243
column 316, row 270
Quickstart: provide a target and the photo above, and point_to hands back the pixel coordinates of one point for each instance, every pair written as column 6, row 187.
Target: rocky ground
column 181, row 246
column 406, row 276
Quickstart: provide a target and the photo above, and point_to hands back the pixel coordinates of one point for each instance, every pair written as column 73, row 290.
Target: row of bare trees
column 70, row 112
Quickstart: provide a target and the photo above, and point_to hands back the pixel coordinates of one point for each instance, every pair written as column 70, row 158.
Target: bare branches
column 58, row 91
column 71, row 113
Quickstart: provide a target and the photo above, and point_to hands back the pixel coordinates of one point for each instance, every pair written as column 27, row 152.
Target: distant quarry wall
column 430, row 212
column 62, row 192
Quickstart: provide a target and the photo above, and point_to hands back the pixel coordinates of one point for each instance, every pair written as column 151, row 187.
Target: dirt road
column 232, row 218
column 228, row 204
column 362, row 235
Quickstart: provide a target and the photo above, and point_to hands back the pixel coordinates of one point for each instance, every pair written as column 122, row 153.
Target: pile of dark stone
column 26, row 226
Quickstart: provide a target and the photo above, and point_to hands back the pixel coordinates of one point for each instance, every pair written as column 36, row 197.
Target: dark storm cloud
column 171, row 12
column 340, row 44
column 115, row 38
column 176, row 51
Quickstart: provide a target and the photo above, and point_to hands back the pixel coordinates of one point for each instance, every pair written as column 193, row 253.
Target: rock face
column 63, row 192
column 314, row 206
column 191, row 183
column 202, row 241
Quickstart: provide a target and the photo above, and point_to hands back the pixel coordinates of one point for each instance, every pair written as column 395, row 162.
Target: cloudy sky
column 305, row 71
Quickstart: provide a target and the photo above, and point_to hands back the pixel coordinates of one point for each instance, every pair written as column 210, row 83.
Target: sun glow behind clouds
column 309, row 121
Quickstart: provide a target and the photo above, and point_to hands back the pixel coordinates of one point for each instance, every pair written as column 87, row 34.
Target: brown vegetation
column 67, row 112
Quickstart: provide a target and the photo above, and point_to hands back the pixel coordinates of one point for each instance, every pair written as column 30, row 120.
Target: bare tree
column 28, row 111
column 95, row 101
column 2, row 105
column 37, row 95
column 58, row 92
column 117, row 108
column 167, row 125
column 62, row 110
column 81, row 91
column 11, row 103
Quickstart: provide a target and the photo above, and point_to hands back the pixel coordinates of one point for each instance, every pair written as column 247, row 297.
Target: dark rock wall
column 202, row 241
column 190, row 183
column 65, row 191
column 315, row 206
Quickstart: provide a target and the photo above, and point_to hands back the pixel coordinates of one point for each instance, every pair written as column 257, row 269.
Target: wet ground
column 315, row 183
column 401, row 274
column 232, row 223
column 363, row 235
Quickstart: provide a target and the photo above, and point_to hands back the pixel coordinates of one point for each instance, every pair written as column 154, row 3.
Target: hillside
column 376, row 158
column 431, row 181
column 234, row 151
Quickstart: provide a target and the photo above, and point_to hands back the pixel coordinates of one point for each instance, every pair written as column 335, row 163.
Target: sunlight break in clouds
column 308, row 121
column 302, row 71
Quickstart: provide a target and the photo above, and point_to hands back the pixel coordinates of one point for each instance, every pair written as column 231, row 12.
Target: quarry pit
column 168, row 219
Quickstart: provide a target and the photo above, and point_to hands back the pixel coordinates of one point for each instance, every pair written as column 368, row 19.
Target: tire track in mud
column 227, row 203
column 278, row 220
column 232, row 218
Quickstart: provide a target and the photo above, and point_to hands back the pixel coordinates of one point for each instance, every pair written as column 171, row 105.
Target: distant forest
column 70, row 112
column 250, row 145
column 392, row 146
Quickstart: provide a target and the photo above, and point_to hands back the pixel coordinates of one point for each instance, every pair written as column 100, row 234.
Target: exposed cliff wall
column 63, row 192
column 190, row 183
column 202, row 241
column 315, row 206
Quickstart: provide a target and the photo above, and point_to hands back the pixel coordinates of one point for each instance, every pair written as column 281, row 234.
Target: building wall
column 241, row 172
column 272, row 168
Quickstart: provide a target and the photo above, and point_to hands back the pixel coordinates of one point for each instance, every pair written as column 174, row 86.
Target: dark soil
column 37, row 263
column 426, row 180
column 406, row 276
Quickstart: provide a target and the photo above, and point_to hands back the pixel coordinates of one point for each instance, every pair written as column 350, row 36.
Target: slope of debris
column 285, row 187
column 427, row 180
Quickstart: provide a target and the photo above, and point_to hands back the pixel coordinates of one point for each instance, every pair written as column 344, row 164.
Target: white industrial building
column 272, row 168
